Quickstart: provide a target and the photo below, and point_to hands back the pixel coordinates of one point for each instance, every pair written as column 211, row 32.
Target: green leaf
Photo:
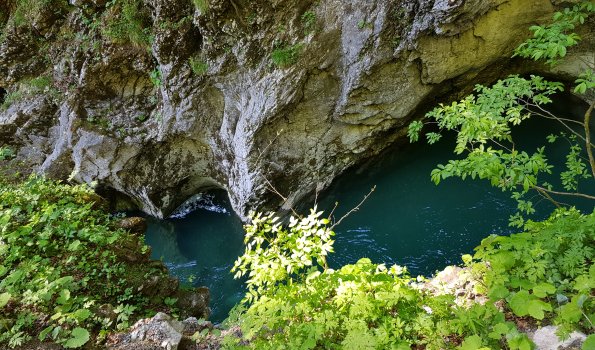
column 536, row 309
column 473, row 342
column 78, row 337
column 589, row 343
column 542, row 290
column 519, row 303
column 570, row 313
column 44, row 333
column 74, row 245
column 4, row 298
column 81, row 314
column 63, row 297
column 520, row 342
column 498, row 292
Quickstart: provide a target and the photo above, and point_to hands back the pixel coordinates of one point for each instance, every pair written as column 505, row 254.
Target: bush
column 294, row 301
column 198, row 66
column 128, row 22
column 286, row 56
column 61, row 262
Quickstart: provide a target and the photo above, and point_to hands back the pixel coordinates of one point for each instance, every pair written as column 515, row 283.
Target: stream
column 407, row 221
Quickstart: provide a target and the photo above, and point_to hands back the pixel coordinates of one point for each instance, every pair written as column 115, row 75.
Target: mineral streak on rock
column 243, row 95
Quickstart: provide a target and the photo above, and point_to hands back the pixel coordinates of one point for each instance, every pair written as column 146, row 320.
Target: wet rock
column 545, row 338
column 133, row 224
column 194, row 302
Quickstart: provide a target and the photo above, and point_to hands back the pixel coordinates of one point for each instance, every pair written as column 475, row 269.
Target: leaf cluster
column 286, row 56
column 551, row 42
column 128, row 21
column 544, row 274
column 275, row 254
column 60, row 262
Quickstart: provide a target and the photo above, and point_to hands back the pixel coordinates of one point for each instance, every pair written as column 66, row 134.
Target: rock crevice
column 207, row 104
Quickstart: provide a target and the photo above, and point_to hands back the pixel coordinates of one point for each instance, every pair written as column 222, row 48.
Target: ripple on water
column 408, row 221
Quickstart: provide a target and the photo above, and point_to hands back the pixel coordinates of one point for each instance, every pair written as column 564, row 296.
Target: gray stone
column 545, row 338
column 161, row 330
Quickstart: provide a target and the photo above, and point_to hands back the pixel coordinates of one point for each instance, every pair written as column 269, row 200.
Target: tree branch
column 574, row 194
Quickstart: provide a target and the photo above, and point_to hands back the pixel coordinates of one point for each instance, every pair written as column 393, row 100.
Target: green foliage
column 585, row 82
column 296, row 302
column 274, row 253
column 201, row 5
column 11, row 98
column 26, row 11
column 551, row 42
column 286, row 56
column 546, row 271
column 483, row 123
column 198, row 66
column 6, row 153
column 155, row 77
column 31, row 87
column 59, row 264
column 128, row 21
column 308, row 21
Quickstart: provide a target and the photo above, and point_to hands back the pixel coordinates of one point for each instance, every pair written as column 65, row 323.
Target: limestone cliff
column 237, row 94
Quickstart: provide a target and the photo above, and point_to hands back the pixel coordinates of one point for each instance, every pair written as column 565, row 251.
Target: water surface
column 407, row 221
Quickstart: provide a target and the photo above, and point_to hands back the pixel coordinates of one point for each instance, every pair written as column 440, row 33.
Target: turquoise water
column 407, row 221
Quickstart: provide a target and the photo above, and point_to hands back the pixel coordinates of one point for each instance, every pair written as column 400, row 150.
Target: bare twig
column 560, row 120
column 274, row 190
column 261, row 153
column 588, row 138
column 354, row 209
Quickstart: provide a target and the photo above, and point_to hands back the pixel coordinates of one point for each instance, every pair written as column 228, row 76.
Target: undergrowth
column 543, row 275
column 128, row 21
column 63, row 263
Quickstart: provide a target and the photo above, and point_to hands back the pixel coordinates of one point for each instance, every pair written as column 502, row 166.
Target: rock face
column 240, row 95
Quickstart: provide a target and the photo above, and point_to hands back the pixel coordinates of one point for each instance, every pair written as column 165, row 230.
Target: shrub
column 128, row 22
column 198, row 66
column 295, row 301
column 286, row 56
column 59, row 263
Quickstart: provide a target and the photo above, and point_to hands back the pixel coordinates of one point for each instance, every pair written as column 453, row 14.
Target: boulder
column 134, row 224
column 194, row 302
column 158, row 332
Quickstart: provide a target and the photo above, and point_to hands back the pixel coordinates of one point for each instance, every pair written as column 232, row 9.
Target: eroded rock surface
column 141, row 122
